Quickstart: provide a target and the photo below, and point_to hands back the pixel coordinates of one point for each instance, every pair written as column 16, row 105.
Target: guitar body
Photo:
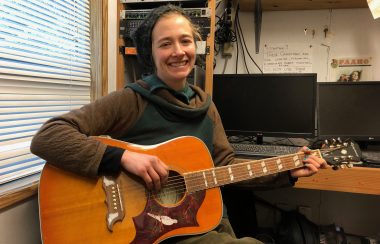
column 75, row 209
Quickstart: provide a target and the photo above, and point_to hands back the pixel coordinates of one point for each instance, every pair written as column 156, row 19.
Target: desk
column 354, row 180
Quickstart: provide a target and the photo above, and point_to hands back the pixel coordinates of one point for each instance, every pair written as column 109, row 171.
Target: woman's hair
column 142, row 37
column 358, row 74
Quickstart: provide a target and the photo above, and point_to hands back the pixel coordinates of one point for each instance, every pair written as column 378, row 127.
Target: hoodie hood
column 191, row 103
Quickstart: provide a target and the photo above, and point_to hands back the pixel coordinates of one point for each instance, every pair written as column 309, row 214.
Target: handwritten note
column 287, row 58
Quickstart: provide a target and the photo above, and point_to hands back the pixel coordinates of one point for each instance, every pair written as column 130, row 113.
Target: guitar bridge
column 115, row 209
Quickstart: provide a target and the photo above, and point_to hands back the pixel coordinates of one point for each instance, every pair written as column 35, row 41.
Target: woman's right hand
column 150, row 168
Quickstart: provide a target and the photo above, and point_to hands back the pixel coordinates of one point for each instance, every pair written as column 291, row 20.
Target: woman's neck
column 175, row 84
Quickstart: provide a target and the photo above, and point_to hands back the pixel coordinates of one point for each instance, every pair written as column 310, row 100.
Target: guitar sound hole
column 173, row 191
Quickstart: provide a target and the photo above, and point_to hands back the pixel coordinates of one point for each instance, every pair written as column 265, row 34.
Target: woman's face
column 355, row 75
column 173, row 49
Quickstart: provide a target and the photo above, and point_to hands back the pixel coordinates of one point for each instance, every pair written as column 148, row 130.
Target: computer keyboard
column 371, row 158
column 248, row 149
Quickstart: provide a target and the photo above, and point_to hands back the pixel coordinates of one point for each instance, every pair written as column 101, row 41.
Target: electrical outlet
column 228, row 49
column 306, row 211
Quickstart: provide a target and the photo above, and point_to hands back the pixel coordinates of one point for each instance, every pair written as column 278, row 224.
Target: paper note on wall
column 287, row 58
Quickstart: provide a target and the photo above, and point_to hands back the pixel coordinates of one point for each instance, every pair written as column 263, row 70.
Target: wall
column 20, row 223
column 352, row 33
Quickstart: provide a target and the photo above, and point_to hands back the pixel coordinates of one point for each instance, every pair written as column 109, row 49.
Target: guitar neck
column 219, row 176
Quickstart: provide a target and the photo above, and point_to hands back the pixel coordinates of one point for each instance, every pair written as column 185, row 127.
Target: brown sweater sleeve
column 224, row 155
column 65, row 141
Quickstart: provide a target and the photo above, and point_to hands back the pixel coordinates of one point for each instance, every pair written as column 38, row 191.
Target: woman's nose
column 178, row 49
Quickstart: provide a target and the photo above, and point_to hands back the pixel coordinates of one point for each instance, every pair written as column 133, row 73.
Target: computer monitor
column 274, row 105
column 349, row 110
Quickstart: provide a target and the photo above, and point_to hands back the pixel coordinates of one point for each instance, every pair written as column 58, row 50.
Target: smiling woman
column 173, row 50
column 161, row 114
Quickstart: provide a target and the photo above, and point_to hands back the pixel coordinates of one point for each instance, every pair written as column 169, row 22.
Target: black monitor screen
column 349, row 110
column 279, row 105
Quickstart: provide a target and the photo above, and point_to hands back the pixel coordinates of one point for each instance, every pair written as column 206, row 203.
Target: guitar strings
column 201, row 183
column 174, row 181
column 179, row 178
column 177, row 183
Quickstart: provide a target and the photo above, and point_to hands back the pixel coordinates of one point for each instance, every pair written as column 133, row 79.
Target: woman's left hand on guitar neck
column 312, row 165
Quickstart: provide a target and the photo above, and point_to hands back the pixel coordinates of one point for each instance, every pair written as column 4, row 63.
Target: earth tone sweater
column 146, row 112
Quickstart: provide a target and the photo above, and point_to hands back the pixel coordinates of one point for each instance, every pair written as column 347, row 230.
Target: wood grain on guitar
column 75, row 209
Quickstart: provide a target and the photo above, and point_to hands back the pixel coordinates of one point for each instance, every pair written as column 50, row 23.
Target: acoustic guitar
column 75, row 209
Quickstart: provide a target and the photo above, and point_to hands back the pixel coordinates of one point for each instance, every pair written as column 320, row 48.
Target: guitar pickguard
column 156, row 220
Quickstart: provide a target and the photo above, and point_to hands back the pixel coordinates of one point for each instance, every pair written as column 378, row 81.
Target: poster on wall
column 287, row 58
column 351, row 69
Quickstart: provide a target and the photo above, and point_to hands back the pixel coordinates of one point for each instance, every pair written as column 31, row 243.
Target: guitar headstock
column 341, row 154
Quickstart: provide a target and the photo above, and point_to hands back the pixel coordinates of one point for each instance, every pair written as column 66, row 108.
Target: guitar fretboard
column 219, row 176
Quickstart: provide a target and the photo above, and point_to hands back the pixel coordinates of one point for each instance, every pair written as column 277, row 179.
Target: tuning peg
column 350, row 165
column 335, row 167
column 339, row 142
column 343, row 165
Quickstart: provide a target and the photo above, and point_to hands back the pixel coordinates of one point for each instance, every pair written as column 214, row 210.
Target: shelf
column 283, row 5
column 354, row 180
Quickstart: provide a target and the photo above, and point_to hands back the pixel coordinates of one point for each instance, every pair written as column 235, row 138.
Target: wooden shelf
column 354, row 180
column 283, row 5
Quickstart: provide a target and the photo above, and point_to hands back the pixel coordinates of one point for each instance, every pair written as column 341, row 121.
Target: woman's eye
column 187, row 41
column 164, row 44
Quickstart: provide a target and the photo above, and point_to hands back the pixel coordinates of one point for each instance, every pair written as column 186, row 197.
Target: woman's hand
column 312, row 165
column 150, row 168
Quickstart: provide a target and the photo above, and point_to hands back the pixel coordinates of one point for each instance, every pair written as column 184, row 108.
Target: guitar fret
column 231, row 174
column 241, row 172
column 279, row 164
column 213, row 175
column 196, row 181
column 222, row 175
column 296, row 160
column 264, row 167
column 257, row 168
column 204, row 176
column 250, row 173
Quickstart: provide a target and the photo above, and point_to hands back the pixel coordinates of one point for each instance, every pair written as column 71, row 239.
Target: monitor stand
column 259, row 138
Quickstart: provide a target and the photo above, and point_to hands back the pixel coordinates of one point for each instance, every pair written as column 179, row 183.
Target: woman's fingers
column 150, row 168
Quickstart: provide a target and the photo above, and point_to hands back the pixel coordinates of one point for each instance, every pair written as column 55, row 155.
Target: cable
column 223, row 32
column 237, row 47
column 239, row 34
column 245, row 45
